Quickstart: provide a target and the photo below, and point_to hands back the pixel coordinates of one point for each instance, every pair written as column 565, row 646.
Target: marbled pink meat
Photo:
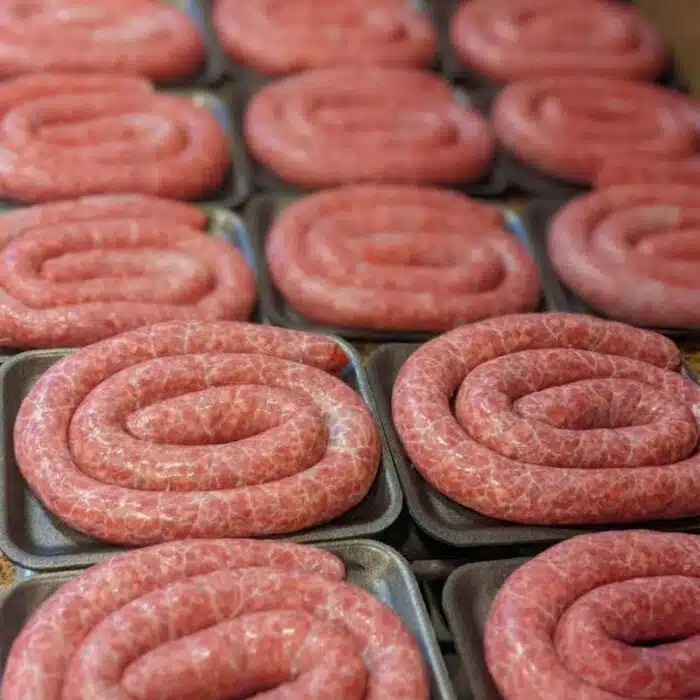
column 509, row 40
column 571, row 128
column 395, row 257
column 156, row 39
column 66, row 135
column 278, row 37
column 575, row 622
column 558, row 419
column 75, row 272
column 337, row 126
column 183, row 430
column 211, row 620
column 632, row 252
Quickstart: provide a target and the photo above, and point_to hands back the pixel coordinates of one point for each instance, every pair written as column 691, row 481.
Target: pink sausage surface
column 279, row 37
column 509, row 40
column 212, row 620
column 558, row 419
column 78, row 271
column 348, row 125
column 393, row 257
column 575, row 621
column 196, row 430
column 631, row 252
column 64, row 136
column 141, row 37
column 571, row 128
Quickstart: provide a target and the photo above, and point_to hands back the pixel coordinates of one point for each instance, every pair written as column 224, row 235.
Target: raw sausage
column 278, row 37
column 558, row 419
column 570, row 128
column 143, row 37
column 575, row 621
column 631, row 252
column 183, row 430
column 645, row 171
column 508, row 40
column 212, row 620
column 346, row 125
column 398, row 258
column 74, row 272
column 64, row 136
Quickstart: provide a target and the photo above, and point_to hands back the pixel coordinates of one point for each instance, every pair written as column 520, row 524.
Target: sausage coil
column 278, row 37
column 64, row 136
column 348, row 125
column 212, row 620
column 577, row 620
column 196, row 430
column 559, row 419
column 74, row 272
column 631, row 253
column 398, row 258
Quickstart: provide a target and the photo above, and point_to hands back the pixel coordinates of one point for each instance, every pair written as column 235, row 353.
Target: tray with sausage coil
column 35, row 539
column 447, row 521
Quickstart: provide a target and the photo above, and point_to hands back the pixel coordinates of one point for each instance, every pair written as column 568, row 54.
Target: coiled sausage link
column 644, row 171
column 64, row 136
column 212, row 620
column 559, row 419
column 182, row 430
column 141, row 37
column 631, row 252
column 339, row 126
column 74, row 272
column 571, row 128
column 278, row 37
column 575, row 622
column 508, row 40
column 398, row 257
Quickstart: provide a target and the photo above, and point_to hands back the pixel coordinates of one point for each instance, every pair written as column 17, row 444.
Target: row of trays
column 32, row 538
column 444, row 608
column 507, row 175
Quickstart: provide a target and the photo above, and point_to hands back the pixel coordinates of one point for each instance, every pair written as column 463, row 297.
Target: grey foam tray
column 212, row 70
column 467, row 598
column 492, row 184
column 537, row 215
column 373, row 566
column 260, row 213
column 237, row 186
column 35, row 539
column 221, row 223
column 442, row 518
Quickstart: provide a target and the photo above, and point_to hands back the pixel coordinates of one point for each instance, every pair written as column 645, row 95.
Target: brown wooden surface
column 679, row 23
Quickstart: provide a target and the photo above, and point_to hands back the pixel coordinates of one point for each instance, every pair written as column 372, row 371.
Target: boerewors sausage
column 570, row 128
column 154, row 39
column 64, row 136
column 647, row 171
column 346, row 125
column 630, row 253
column 394, row 257
column 508, row 40
column 213, row 620
column 558, row 419
column 278, row 37
column 605, row 616
column 74, row 272
column 182, row 430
